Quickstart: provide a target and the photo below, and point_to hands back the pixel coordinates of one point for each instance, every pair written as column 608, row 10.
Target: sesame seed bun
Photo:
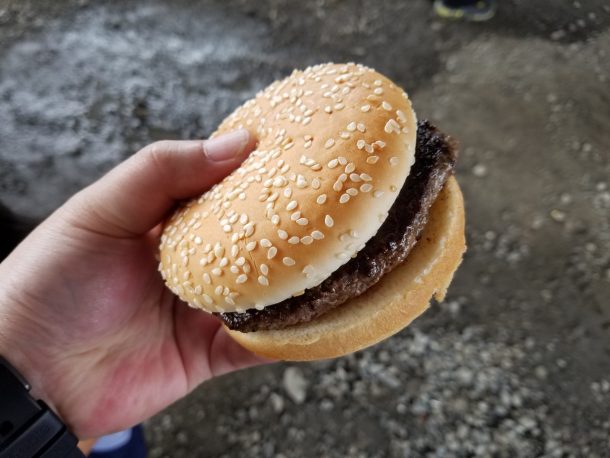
column 336, row 143
column 386, row 308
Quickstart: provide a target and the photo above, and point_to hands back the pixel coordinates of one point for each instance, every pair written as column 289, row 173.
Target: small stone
column 277, row 402
column 558, row 215
column 295, row 384
column 479, row 170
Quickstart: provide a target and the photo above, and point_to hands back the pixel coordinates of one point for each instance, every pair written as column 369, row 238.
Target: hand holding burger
column 85, row 316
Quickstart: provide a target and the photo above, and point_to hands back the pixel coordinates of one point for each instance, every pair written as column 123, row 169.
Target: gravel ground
column 516, row 361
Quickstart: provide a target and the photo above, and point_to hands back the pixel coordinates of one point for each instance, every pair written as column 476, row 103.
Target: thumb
column 137, row 194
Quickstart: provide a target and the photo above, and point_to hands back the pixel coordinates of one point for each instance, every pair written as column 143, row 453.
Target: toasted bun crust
column 336, row 143
column 399, row 298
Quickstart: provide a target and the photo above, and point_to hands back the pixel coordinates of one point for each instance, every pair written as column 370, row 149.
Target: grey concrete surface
column 516, row 361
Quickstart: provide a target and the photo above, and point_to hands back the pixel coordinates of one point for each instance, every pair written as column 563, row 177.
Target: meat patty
column 435, row 157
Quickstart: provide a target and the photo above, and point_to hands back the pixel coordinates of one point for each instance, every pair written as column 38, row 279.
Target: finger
column 226, row 355
column 137, row 194
column 206, row 349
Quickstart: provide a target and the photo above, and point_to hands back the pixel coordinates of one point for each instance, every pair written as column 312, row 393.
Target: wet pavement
column 516, row 361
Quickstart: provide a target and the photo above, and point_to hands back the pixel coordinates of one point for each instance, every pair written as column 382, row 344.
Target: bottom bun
column 386, row 308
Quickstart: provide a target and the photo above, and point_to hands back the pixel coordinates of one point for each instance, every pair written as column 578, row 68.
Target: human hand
column 84, row 313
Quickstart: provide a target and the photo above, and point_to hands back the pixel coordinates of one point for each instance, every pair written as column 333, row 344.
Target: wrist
column 16, row 346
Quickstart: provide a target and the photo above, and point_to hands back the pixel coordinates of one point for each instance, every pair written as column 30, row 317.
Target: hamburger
column 336, row 231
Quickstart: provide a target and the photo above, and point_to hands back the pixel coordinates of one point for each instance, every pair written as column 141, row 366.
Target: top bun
column 335, row 145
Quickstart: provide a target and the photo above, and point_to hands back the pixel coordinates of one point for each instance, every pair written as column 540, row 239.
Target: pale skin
column 84, row 313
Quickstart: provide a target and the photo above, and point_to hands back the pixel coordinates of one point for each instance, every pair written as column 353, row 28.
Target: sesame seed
column 329, row 143
column 333, row 163
column 301, row 182
column 306, row 120
column 339, row 106
column 349, row 168
column 401, row 116
column 328, row 220
column 198, row 240
column 246, row 268
column 264, row 269
column 307, row 240
column 344, row 135
column 250, row 246
column 321, row 199
column 265, row 243
column 377, row 83
column 353, row 234
column 207, row 248
column 369, row 149
column 355, row 177
column 293, row 240
column 229, row 300
column 378, row 91
column 226, row 228
column 352, row 191
column 291, row 205
column 365, row 108
column 288, row 261
column 315, row 183
column 271, row 252
column 379, row 143
column 223, row 262
column 206, row 278
column 263, row 281
column 366, row 187
column 317, row 235
column 288, row 192
column 328, row 109
column 241, row 279
column 393, row 188
column 218, row 290
column 203, row 262
column 302, row 221
column 344, row 198
column 386, row 106
column 308, row 144
column 366, row 177
column 240, row 261
column 351, row 126
column 216, row 271
column 308, row 269
column 296, row 215
column 207, row 299
column 377, row 194
column 249, row 228
column 219, row 250
column 234, row 250
column 234, row 269
column 393, row 161
column 275, row 219
column 282, row 234
column 338, row 185
column 391, row 126
column 372, row 159
column 360, row 144
column 342, row 160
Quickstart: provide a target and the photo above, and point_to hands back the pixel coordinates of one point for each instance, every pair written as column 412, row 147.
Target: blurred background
column 516, row 361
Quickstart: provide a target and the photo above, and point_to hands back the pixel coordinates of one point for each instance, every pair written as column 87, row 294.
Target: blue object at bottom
column 134, row 448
